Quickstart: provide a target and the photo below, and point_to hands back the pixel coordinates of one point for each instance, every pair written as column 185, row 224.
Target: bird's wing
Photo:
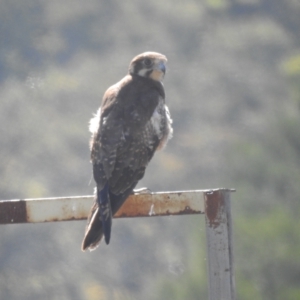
column 126, row 139
column 139, row 138
column 108, row 137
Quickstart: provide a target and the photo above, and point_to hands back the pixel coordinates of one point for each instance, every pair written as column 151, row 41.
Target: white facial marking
column 143, row 72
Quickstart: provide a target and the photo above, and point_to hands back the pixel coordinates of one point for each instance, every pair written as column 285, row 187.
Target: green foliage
column 291, row 68
column 217, row 4
column 266, row 222
column 191, row 284
column 267, row 251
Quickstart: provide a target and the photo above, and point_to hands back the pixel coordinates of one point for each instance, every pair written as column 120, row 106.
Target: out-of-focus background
column 233, row 89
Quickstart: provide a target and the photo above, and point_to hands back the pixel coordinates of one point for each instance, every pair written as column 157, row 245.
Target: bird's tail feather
column 94, row 230
column 99, row 221
column 103, row 201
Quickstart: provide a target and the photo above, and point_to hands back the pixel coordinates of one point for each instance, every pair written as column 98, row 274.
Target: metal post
column 219, row 245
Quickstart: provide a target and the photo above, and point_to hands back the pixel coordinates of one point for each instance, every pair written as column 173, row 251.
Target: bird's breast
column 157, row 121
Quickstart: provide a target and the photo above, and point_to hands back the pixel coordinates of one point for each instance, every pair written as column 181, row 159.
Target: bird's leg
column 143, row 190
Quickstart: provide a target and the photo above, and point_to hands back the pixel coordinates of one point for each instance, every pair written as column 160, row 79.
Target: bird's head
column 150, row 65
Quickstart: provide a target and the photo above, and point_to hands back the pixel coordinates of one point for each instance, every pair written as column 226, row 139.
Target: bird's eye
column 147, row 62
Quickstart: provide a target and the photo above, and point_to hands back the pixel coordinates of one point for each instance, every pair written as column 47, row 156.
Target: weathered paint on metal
column 219, row 244
column 141, row 205
column 162, row 204
column 77, row 208
column 59, row 209
column 213, row 203
column 13, row 211
column 45, row 209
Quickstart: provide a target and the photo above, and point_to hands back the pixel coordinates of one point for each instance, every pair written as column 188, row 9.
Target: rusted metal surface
column 45, row 209
column 142, row 205
column 13, row 211
column 214, row 202
column 77, row 208
column 162, row 204
column 219, row 244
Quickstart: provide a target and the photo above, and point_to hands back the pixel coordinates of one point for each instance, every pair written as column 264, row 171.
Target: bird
column 132, row 123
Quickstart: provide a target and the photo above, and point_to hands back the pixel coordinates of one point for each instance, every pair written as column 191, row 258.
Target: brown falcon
column 131, row 124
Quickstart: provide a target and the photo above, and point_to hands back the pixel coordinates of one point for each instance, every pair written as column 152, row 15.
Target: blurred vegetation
column 233, row 88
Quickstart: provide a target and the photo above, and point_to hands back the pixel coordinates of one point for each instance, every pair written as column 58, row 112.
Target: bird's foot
column 142, row 190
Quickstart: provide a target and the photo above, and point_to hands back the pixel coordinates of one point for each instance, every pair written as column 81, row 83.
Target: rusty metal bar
column 219, row 244
column 77, row 208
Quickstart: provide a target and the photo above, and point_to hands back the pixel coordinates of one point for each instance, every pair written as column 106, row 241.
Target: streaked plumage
column 131, row 124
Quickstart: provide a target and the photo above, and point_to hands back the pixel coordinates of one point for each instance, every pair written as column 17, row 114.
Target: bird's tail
column 104, row 205
column 99, row 221
column 94, row 229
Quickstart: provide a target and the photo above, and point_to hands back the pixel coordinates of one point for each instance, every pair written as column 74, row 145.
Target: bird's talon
column 143, row 190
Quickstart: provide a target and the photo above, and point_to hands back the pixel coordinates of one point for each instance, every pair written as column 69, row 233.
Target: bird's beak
column 161, row 67
column 159, row 71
